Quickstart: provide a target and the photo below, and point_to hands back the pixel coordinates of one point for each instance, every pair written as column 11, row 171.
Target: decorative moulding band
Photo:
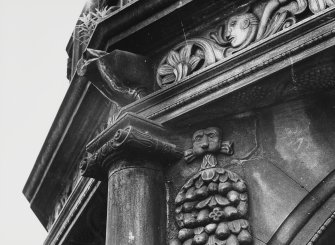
column 304, row 211
column 324, row 226
column 258, row 21
column 268, row 52
column 241, row 75
column 84, row 190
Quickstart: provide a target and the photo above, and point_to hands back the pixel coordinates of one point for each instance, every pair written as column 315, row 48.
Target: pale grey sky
column 33, row 37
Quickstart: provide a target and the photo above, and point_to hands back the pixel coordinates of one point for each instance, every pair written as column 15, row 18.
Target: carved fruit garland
column 211, row 208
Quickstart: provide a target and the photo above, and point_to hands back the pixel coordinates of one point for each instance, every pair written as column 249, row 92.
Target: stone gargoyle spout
column 121, row 76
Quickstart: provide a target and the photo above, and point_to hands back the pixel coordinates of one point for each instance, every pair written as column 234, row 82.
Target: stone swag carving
column 258, row 21
column 212, row 207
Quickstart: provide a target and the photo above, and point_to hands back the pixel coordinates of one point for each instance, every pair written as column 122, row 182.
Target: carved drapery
column 256, row 23
column 212, row 207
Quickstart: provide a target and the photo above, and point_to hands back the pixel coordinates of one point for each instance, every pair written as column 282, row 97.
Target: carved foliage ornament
column 259, row 21
column 212, row 207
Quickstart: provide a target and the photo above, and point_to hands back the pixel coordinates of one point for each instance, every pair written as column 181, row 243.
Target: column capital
column 129, row 135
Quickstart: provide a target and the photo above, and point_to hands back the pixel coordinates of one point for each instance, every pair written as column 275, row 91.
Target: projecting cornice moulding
column 244, row 68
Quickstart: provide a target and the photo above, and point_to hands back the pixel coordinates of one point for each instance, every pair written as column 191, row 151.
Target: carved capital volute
column 128, row 137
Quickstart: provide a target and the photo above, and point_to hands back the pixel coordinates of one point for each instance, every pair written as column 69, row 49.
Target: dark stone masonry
column 193, row 122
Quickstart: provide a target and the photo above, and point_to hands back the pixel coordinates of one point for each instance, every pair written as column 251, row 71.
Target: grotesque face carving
column 239, row 29
column 206, row 141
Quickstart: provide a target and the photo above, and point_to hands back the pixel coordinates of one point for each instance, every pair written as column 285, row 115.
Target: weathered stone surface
column 242, row 131
column 136, row 207
column 294, row 138
column 258, row 242
column 273, row 195
column 295, row 148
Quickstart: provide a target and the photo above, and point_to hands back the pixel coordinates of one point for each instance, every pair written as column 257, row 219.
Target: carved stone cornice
column 81, row 113
column 278, row 53
column 139, row 136
column 82, row 194
column 126, row 17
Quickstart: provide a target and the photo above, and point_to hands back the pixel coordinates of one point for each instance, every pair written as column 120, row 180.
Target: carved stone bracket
column 122, row 77
column 212, row 207
column 134, row 138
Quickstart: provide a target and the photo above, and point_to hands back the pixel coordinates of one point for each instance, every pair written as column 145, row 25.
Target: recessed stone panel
column 292, row 137
column 273, row 196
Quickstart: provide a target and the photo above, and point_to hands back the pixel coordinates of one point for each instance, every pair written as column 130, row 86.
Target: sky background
column 33, row 38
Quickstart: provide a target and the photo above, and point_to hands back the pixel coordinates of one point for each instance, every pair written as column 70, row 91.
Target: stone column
column 131, row 161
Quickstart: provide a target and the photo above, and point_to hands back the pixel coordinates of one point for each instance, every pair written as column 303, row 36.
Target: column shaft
column 136, row 207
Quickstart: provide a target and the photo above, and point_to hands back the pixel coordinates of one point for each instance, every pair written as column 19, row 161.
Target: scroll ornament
column 258, row 22
column 126, row 142
column 212, row 207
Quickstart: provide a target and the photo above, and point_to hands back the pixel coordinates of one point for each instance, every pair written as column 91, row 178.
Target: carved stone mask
column 238, row 29
column 207, row 141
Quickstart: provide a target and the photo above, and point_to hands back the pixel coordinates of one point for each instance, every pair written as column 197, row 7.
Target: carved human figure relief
column 241, row 30
column 257, row 22
column 212, row 207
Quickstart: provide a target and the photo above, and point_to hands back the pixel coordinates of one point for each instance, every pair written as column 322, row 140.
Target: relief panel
column 255, row 23
column 295, row 138
column 212, row 207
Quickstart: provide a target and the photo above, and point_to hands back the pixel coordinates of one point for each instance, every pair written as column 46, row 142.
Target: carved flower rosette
column 212, row 209
column 184, row 59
